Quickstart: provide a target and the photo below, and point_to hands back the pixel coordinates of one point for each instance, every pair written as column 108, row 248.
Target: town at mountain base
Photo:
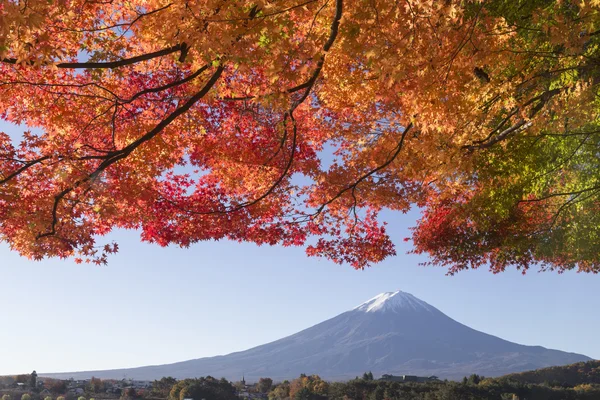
column 580, row 381
column 393, row 333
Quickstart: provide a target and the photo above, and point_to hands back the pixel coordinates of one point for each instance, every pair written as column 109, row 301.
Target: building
column 408, row 378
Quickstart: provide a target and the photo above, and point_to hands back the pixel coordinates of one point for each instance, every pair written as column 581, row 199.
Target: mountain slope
column 567, row 375
column 393, row 333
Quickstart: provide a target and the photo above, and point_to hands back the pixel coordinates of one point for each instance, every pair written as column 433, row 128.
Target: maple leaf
column 484, row 114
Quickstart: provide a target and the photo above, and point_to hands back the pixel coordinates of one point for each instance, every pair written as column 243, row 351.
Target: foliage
column 305, row 393
column 26, row 396
column 129, row 393
column 207, row 388
column 473, row 388
column 6, row 397
column 566, row 376
column 162, row 387
column 33, row 379
column 485, row 114
column 280, row 391
column 308, row 387
column 473, row 379
column 56, row 386
column 264, row 385
column 96, row 385
column 6, row 381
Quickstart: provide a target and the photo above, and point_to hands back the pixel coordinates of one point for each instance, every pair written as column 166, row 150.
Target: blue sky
column 155, row 305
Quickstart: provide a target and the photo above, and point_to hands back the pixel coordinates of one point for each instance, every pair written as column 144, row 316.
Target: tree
column 368, row 376
column 96, row 385
column 163, row 387
column 265, row 385
column 207, row 388
column 56, row 386
column 474, row 379
column 33, row 379
column 129, row 393
column 6, row 397
column 7, row 381
column 484, row 114
column 312, row 386
column 26, row 396
column 281, row 391
column 305, row 394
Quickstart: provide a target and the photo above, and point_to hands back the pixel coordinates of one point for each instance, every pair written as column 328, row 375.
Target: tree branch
column 23, row 168
column 114, row 64
column 521, row 125
column 353, row 186
column 113, row 157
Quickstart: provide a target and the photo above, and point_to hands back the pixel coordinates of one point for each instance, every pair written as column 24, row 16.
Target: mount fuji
column 392, row 333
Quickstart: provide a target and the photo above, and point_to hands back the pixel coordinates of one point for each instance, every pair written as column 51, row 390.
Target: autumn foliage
column 297, row 122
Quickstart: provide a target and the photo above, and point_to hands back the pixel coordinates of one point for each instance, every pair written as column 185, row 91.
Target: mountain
column 392, row 333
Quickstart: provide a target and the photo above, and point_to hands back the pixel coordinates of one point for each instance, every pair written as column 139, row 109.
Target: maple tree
column 308, row 386
column 297, row 122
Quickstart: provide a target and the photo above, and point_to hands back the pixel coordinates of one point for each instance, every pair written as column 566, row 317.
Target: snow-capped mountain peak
column 393, row 333
column 393, row 301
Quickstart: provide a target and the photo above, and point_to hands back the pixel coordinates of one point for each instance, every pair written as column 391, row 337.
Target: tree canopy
column 207, row 388
column 296, row 122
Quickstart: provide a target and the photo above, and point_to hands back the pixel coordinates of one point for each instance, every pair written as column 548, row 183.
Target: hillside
column 567, row 375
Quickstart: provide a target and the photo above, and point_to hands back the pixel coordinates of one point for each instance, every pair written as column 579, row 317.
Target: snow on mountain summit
column 392, row 333
column 393, row 301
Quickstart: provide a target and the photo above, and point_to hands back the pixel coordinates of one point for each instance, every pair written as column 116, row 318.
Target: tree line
column 580, row 381
column 313, row 387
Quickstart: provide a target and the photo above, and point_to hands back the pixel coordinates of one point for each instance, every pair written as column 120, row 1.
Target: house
column 113, row 389
column 141, row 384
column 408, row 378
column 76, row 391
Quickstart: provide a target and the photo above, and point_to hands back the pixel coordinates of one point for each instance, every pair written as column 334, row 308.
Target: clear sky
column 155, row 305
